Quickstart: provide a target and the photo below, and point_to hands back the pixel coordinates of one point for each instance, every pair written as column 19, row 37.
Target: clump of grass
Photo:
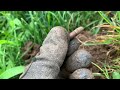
column 112, row 23
column 104, row 71
column 18, row 27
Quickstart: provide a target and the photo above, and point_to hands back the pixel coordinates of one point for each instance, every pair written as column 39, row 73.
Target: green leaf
column 95, row 43
column 6, row 42
column 105, row 17
column 32, row 25
column 54, row 15
column 12, row 24
column 1, row 71
column 12, row 72
column 116, row 75
column 48, row 17
column 17, row 22
column 9, row 64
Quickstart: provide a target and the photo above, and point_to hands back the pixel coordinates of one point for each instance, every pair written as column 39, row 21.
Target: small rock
column 82, row 74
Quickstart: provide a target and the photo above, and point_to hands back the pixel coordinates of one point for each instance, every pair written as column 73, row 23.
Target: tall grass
column 18, row 27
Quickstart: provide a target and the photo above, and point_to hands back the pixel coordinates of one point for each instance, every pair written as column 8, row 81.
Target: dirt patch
column 30, row 49
column 102, row 54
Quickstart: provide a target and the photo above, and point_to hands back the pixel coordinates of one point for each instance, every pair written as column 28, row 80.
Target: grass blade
column 12, row 72
column 116, row 75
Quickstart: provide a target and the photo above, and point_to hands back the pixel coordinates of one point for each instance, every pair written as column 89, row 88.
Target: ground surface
column 20, row 27
column 102, row 54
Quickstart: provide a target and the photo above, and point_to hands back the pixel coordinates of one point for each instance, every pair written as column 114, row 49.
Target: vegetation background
column 18, row 27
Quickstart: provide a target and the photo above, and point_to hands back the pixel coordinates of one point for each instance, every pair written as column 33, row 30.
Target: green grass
column 18, row 27
column 115, row 25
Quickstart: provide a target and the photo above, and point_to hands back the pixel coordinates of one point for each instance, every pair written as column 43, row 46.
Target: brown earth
column 102, row 54
column 30, row 49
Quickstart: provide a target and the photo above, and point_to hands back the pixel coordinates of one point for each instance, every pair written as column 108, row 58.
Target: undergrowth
column 18, row 27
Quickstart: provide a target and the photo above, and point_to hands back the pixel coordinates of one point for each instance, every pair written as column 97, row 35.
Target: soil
column 30, row 49
column 102, row 54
